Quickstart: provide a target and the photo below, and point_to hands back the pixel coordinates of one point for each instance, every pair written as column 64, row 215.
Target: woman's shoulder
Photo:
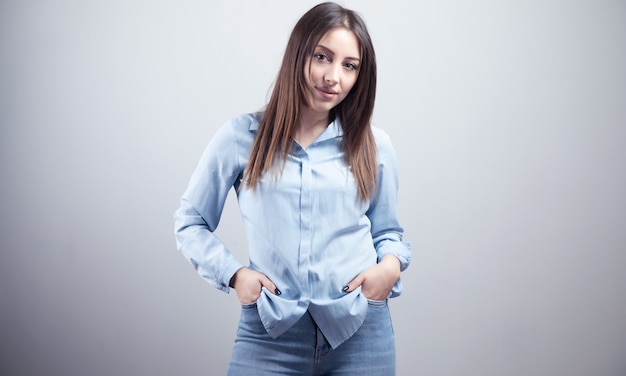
column 236, row 130
column 245, row 122
column 239, row 127
column 384, row 148
column 383, row 141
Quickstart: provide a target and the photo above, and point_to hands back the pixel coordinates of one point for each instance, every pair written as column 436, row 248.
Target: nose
column 331, row 76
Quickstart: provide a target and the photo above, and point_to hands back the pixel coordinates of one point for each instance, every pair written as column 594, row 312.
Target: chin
column 323, row 107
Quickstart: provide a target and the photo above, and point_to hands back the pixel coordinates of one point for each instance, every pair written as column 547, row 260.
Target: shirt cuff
column 227, row 274
column 402, row 250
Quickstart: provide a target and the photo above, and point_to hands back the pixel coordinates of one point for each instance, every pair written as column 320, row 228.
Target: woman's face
column 333, row 69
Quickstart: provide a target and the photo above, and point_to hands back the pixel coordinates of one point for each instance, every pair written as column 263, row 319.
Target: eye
column 351, row 66
column 320, row 56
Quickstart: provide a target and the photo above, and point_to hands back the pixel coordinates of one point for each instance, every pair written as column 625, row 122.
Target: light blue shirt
column 306, row 228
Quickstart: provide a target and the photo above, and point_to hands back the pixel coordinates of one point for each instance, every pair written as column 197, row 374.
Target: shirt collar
column 333, row 130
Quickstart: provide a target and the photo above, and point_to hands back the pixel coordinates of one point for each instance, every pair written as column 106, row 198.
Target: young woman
column 316, row 186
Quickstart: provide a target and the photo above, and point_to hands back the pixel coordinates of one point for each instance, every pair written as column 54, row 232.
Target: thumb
column 268, row 284
column 356, row 282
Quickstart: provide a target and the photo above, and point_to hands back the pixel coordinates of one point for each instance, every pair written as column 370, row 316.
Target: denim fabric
column 303, row 350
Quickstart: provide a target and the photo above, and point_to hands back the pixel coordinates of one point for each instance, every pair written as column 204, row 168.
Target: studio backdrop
column 509, row 123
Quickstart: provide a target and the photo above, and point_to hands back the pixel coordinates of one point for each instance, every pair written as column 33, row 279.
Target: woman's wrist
column 233, row 279
column 392, row 263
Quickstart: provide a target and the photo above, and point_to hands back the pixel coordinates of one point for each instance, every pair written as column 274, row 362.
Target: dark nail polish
column 345, row 289
column 277, row 291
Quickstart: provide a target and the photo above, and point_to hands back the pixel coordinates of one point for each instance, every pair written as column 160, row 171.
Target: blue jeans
column 302, row 350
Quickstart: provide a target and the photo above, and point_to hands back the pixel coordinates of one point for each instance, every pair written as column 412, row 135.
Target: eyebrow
column 333, row 53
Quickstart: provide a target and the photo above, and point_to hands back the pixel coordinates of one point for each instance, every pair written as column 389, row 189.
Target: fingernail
column 345, row 288
column 277, row 291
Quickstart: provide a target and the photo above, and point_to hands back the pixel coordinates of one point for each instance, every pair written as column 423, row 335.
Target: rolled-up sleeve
column 383, row 212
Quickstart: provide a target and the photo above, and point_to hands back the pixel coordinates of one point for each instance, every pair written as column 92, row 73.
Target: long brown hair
column 279, row 124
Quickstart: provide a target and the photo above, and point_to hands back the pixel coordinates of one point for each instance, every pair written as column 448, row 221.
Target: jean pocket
column 377, row 303
column 248, row 306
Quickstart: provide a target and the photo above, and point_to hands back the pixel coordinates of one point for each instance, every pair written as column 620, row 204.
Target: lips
column 327, row 93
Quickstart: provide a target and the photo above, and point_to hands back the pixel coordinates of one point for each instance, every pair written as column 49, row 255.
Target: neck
column 311, row 119
column 312, row 124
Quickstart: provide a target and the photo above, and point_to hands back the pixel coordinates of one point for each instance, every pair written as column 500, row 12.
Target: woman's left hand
column 377, row 281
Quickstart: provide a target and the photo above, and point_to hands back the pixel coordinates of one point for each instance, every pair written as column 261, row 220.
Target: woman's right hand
column 248, row 283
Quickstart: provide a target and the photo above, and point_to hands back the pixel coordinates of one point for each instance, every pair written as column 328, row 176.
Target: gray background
column 509, row 122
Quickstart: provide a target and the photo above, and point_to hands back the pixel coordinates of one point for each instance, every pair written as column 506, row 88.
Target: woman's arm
column 201, row 207
column 383, row 279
